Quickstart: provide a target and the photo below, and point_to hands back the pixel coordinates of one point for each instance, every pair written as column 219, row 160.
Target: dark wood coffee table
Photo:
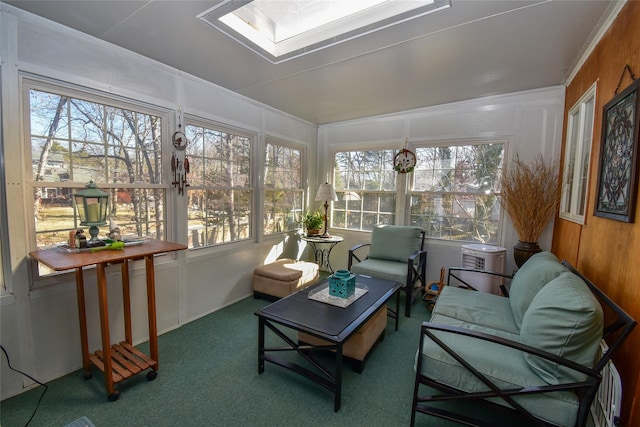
column 328, row 322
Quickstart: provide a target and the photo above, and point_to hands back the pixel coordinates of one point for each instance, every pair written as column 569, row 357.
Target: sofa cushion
column 504, row 366
column 534, row 274
column 394, row 242
column 564, row 319
column 476, row 308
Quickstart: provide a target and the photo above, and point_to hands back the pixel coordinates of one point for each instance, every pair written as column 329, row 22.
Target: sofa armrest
column 493, row 391
column 352, row 254
column 453, row 273
column 427, row 327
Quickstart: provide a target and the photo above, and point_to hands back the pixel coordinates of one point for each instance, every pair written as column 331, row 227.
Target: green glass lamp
column 91, row 206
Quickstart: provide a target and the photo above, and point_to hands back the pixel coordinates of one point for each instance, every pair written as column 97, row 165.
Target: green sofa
column 535, row 352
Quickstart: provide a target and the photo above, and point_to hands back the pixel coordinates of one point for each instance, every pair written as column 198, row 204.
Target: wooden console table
column 123, row 360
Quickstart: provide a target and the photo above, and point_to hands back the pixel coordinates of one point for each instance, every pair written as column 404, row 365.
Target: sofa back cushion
column 564, row 319
column 394, row 242
column 534, row 274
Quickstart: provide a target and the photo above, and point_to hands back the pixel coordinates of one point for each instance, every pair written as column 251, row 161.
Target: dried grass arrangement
column 530, row 194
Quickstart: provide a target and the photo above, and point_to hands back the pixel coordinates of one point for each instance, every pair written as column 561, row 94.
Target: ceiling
column 472, row 49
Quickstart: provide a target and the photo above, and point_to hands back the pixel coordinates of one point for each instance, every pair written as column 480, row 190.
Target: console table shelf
column 126, row 361
column 123, row 360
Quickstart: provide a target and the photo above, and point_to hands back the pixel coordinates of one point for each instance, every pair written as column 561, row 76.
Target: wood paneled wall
column 608, row 251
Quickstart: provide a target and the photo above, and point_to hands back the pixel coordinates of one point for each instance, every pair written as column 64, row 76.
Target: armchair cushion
column 565, row 319
column 382, row 269
column 395, row 242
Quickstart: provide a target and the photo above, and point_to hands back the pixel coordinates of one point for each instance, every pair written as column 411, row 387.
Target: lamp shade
column 326, row 192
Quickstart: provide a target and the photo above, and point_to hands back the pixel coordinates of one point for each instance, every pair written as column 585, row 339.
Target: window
column 220, row 193
column 366, row 186
column 282, row 30
column 4, row 260
column 453, row 193
column 283, row 194
column 78, row 137
column 575, row 176
column 4, row 240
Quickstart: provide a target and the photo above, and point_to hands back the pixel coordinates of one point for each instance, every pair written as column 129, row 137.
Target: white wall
column 39, row 320
column 530, row 121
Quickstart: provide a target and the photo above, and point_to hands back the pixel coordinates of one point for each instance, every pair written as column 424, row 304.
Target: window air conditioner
column 487, row 258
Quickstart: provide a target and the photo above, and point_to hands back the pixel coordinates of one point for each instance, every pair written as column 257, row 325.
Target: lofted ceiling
column 472, row 49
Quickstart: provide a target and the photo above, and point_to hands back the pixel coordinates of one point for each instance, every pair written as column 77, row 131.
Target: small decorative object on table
column 342, row 284
column 92, row 206
column 114, row 233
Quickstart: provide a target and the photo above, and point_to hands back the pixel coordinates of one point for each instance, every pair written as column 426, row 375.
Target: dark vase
column 522, row 251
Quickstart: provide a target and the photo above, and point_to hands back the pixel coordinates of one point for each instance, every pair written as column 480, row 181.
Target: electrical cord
column 32, row 379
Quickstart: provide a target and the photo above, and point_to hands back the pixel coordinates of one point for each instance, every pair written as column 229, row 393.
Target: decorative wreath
column 179, row 140
column 404, row 161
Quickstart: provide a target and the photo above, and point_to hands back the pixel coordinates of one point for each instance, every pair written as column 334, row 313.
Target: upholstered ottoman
column 283, row 277
column 358, row 346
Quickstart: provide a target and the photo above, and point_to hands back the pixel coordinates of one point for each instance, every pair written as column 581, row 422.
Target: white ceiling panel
column 472, row 49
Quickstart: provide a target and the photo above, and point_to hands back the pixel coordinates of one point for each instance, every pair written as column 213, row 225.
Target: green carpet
column 208, row 376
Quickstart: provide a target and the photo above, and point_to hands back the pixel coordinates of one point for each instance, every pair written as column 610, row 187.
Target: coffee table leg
column 338, row 384
column 260, row 345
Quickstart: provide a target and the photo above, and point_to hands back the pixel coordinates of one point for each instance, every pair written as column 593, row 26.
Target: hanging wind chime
column 405, row 160
column 179, row 167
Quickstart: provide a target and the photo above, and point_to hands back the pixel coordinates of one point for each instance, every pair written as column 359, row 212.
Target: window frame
column 303, row 180
column 404, row 182
column 398, row 198
column 253, row 224
column 574, row 196
column 29, row 83
column 494, row 188
column 5, row 264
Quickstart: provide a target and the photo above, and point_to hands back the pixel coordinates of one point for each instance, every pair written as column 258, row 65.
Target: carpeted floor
column 208, row 376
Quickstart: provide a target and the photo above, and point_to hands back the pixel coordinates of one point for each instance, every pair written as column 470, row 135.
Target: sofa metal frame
column 416, row 271
column 453, row 275
column 618, row 326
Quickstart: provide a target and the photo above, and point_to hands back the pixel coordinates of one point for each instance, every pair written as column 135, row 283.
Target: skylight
column 280, row 30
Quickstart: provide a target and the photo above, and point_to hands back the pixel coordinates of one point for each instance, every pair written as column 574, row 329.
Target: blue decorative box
column 342, row 284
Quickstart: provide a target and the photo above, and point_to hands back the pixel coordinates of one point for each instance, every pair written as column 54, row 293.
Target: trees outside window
column 220, row 193
column 283, row 195
column 365, row 183
column 76, row 138
column 454, row 190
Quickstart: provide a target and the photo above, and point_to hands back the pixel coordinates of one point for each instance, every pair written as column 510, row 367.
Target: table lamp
column 326, row 192
column 91, row 207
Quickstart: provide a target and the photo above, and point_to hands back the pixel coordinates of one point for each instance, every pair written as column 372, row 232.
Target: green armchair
column 395, row 253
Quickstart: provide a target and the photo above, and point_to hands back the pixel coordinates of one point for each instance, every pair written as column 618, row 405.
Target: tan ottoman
column 283, row 277
column 358, row 346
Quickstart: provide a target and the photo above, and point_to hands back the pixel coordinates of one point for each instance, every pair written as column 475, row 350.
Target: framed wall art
column 617, row 174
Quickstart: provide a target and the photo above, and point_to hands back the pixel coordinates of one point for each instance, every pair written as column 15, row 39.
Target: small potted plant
column 312, row 221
